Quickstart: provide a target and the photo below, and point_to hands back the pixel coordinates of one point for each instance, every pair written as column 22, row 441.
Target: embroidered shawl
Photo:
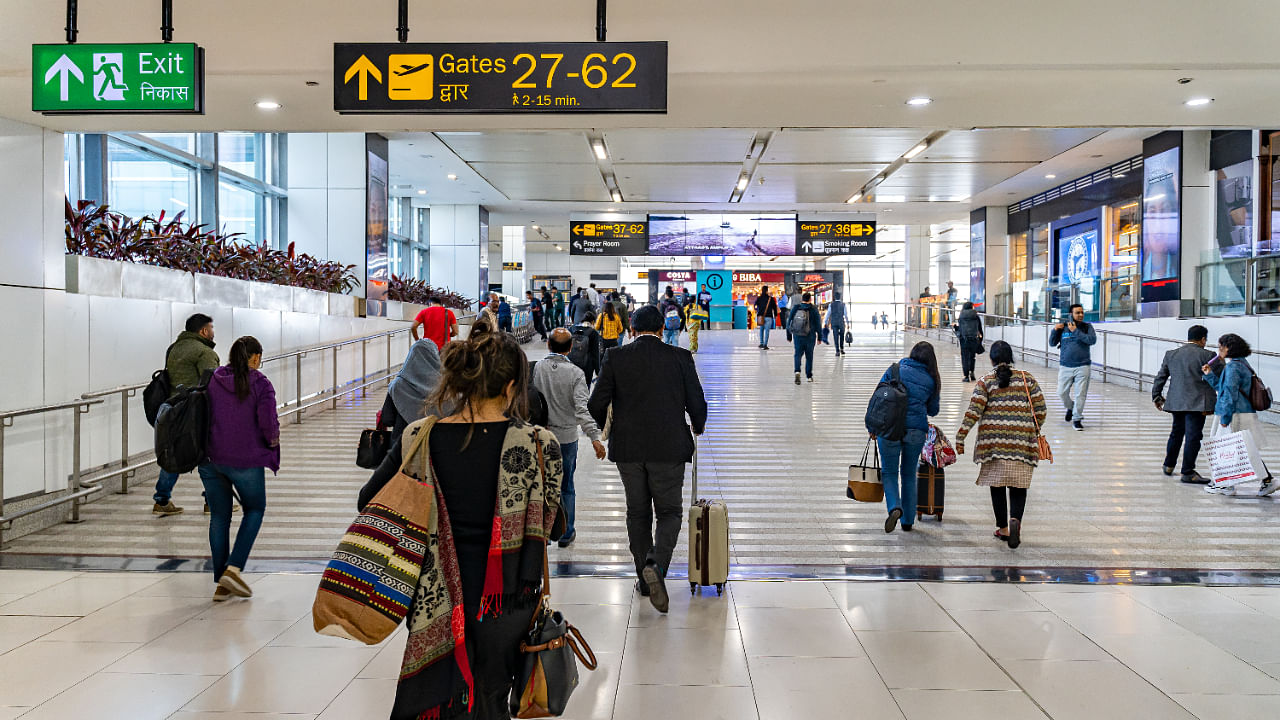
column 435, row 676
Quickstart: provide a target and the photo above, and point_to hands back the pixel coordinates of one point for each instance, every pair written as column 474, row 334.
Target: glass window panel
column 185, row 142
column 241, row 152
column 239, row 211
column 140, row 183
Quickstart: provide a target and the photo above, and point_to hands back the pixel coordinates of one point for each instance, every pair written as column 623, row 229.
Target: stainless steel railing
column 79, row 486
column 1106, row 339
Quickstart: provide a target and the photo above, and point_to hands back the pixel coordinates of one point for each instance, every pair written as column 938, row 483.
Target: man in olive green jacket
column 187, row 360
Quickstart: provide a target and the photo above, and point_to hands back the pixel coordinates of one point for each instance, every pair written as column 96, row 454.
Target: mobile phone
column 1213, row 361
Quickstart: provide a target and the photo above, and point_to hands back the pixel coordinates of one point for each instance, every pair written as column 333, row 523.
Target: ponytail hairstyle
column 241, row 351
column 1002, row 357
column 479, row 369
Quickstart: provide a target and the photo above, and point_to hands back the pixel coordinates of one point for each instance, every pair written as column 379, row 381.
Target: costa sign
column 677, row 276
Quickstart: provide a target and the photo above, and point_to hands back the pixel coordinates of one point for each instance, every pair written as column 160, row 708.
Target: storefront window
column 1119, row 281
column 141, row 183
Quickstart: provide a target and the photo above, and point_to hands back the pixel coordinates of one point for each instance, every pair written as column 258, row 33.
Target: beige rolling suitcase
column 708, row 539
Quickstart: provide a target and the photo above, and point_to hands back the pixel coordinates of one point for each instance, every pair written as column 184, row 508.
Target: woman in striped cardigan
column 1011, row 409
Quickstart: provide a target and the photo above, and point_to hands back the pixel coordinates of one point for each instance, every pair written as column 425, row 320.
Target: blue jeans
column 250, row 484
column 804, row 346
column 164, row 487
column 765, row 326
column 838, row 331
column 671, row 337
column 900, row 459
column 569, row 497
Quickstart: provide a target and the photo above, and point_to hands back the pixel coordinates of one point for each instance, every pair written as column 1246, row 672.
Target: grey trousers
column 653, row 488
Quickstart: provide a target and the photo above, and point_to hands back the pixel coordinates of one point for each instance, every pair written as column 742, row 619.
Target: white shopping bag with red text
column 1234, row 459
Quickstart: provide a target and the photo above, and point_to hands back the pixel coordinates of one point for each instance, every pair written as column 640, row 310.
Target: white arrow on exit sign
column 64, row 68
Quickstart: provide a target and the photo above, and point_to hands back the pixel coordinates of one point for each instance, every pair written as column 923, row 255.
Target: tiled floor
column 778, row 454
column 152, row 646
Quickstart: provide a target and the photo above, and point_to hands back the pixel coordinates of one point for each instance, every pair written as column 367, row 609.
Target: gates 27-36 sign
column 117, row 78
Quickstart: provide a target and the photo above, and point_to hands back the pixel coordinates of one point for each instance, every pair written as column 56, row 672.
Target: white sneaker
column 1212, row 490
column 1269, row 487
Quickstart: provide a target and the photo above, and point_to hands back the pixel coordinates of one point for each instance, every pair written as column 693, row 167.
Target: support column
column 513, row 256
column 1199, row 201
column 456, row 249
column 996, row 262
column 916, row 262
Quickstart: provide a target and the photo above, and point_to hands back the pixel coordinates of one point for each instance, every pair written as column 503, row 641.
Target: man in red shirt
column 438, row 324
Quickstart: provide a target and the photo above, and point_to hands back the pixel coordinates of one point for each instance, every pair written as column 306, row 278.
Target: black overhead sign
column 587, row 237
column 842, row 237
column 514, row 78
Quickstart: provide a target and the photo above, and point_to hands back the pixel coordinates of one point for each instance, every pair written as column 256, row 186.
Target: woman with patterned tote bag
column 481, row 567
column 1011, row 408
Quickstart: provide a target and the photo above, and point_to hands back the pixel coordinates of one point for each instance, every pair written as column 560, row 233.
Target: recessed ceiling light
column 422, row 192
column 856, row 197
column 535, row 227
column 1050, row 176
column 451, row 176
column 919, row 101
column 887, row 210
column 916, row 150
column 1198, row 102
column 617, row 196
column 268, row 105
column 598, row 146
column 742, row 182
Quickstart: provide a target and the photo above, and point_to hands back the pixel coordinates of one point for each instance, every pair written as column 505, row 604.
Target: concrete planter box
column 345, row 305
column 94, row 276
column 266, row 296
column 214, row 290
column 395, row 309
column 148, row 282
column 411, row 311
column 314, row 302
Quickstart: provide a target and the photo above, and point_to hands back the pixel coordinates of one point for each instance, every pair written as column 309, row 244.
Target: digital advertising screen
column 1235, row 210
column 978, row 263
column 1078, row 253
column 727, row 234
column 1161, row 216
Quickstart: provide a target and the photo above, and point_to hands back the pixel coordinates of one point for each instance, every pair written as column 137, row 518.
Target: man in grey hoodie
column 564, row 386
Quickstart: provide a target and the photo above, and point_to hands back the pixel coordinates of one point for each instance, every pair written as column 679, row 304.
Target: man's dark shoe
column 657, row 587
column 1195, row 478
column 1079, row 426
column 1168, row 470
column 1068, row 416
column 567, row 540
column 642, row 588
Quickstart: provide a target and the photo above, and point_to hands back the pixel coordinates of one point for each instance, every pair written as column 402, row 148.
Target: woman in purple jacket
column 244, row 439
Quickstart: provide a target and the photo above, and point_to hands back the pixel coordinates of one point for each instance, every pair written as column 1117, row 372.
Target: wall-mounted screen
column 978, row 263
column 728, row 234
column 1161, row 215
column 1078, row 253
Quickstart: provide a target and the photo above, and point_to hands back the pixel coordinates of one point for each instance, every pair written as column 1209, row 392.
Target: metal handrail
column 1138, row 375
column 79, row 487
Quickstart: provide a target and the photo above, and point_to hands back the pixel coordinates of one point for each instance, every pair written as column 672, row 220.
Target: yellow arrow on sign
column 364, row 68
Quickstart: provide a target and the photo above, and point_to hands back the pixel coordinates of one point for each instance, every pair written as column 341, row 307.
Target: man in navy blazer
column 651, row 387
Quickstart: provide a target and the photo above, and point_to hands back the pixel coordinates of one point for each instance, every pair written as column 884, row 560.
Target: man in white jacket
column 564, row 386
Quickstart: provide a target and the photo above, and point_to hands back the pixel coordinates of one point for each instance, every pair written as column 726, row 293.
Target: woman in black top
column 487, row 378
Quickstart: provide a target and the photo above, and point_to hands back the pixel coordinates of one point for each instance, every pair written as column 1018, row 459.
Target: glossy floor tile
column 1103, row 504
column 775, row 650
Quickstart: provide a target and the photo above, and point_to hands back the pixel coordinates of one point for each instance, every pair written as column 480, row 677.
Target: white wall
column 579, row 266
column 326, row 179
column 455, row 249
column 60, row 345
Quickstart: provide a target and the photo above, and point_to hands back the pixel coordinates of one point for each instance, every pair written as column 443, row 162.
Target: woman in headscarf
column 407, row 397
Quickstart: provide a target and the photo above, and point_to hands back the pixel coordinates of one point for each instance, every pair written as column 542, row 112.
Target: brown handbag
column 1043, row 451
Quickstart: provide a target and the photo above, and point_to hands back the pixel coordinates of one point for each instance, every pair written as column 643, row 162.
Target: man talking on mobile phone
column 1074, row 338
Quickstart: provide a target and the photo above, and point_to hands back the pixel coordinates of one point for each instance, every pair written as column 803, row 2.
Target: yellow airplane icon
column 411, row 77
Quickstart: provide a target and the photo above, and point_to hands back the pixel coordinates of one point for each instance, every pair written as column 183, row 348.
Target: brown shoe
column 166, row 510
column 235, row 584
column 221, row 594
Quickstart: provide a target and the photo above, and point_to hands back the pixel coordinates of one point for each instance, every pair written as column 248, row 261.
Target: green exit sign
column 117, row 78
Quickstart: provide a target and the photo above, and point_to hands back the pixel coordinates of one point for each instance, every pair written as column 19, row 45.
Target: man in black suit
column 651, row 387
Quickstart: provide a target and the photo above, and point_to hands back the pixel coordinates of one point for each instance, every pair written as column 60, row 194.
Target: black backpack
column 887, row 411
column 539, row 411
column 182, row 428
column 157, row 391
column 580, row 351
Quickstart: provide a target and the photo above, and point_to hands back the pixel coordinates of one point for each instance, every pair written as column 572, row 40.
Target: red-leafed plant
column 416, row 291
column 96, row 231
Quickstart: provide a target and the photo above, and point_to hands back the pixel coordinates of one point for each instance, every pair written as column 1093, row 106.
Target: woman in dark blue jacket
column 900, row 458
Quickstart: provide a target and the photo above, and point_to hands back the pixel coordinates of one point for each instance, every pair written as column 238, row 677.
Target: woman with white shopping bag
column 1232, row 378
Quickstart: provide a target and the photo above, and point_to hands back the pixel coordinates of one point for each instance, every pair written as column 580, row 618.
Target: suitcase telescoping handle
column 695, row 471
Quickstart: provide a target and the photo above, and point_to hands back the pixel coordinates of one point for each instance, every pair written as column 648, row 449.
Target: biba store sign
column 757, row 278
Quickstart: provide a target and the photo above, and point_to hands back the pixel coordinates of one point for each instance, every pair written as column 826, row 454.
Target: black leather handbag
column 552, row 649
column 848, row 337
column 373, row 448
